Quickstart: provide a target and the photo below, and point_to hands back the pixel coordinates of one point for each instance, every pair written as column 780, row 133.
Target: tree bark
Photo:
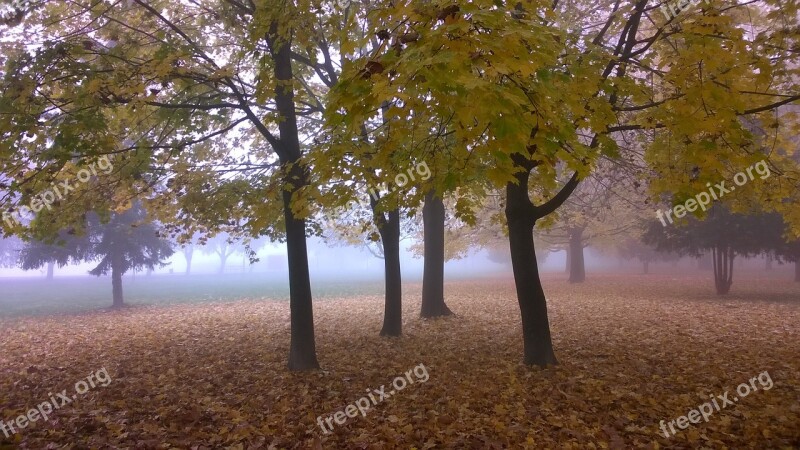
column 302, row 351
column 188, row 253
column 521, row 217
column 303, row 348
column 50, row 270
column 577, row 267
column 389, row 228
column 723, row 269
column 116, row 281
column 433, row 218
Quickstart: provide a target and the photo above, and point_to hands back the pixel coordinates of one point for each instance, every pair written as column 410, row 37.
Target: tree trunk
column 223, row 261
column 723, row 269
column 520, row 214
column 568, row 265
column 768, row 259
column 577, row 267
column 646, row 267
column 188, row 253
column 303, row 348
column 116, row 281
column 433, row 217
column 302, row 351
column 50, row 270
column 797, row 271
column 389, row 227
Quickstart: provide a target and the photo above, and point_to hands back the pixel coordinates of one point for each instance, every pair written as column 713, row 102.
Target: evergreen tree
column 128, row 241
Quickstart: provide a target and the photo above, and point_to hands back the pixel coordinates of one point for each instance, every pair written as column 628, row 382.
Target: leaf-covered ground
column 633, row 351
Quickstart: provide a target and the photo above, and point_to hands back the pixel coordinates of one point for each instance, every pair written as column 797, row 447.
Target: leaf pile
column 633, row 351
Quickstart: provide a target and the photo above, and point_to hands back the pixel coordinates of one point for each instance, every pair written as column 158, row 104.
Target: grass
column 71, row 295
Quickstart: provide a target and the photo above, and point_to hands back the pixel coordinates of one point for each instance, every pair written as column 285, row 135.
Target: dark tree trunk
column 433, row 217
column 521, row 217
column 389, row 227
column 116, row 281
column 646, row 267
column 577, row 267
column 303, row 348
column 723, row 269
column 302, row 351
column 50, row 270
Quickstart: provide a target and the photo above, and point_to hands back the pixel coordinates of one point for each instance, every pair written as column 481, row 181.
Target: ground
column 633, row 351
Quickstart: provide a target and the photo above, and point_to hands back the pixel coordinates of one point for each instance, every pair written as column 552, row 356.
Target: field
column 633, row 351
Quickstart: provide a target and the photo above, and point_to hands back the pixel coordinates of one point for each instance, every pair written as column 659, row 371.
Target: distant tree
column 127, row 241
column 9, row 251
column 791, row 252
column 724, row 234
column 634, row 248
column 780, row 248
column 65, row 249
column 224, row 246
column 187, row 246
column 599, row 210
column 188, row 253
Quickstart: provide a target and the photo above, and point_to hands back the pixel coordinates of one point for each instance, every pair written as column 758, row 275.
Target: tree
column 724, row 234
column 67, row 248
column 223, row 246
column 791, row 252
column 442, row 237
column 188, row 254
column 600, row 210
column 9, row 251
column 127, row 241
column 380, row 232
column 433, row 217
column 165, row 92
column 538, row 90
column 633, row 247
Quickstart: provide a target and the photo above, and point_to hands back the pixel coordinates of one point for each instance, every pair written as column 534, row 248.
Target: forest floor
column 633, row 351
